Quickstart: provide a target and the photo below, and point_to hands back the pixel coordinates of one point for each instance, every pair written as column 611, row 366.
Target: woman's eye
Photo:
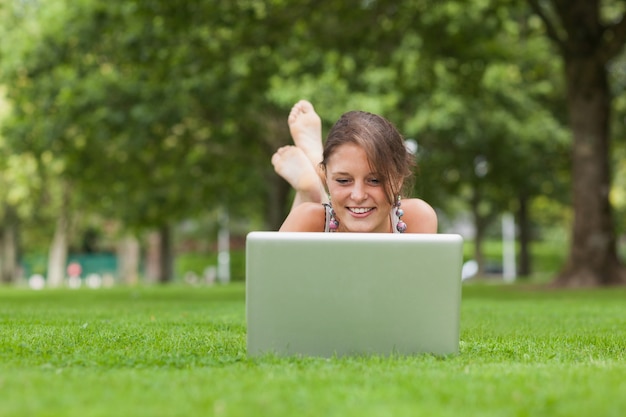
column 374, row 181
column 342, row 181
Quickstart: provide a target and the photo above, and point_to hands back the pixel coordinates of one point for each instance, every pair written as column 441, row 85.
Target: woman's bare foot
column 292, row 164
column 305, row 126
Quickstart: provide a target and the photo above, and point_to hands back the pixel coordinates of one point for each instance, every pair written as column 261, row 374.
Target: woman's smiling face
column 357, row 194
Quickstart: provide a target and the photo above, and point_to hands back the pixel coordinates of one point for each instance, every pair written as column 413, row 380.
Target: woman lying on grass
column 365, row 166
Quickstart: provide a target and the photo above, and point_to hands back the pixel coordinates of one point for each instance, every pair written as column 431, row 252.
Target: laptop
column 344, row 294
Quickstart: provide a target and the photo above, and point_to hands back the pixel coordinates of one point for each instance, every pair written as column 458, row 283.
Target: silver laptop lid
column 322, row 294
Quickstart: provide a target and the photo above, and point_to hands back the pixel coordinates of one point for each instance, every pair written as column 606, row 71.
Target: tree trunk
column 152, row 261
column 524, row 268
column 479, row 257
column 57, row 256
column 479, row 233
column 8, row 247
column 128, row 260
column 167, row 254
column 159, row 256
column 593, row 257
column 587, row 44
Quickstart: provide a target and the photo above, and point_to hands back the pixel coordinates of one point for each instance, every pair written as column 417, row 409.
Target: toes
column 301, row 107
column 280, row 153
column 304, row 106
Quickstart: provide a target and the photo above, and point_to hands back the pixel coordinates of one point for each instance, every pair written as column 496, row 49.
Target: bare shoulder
column 305, row 217
column 419, row 216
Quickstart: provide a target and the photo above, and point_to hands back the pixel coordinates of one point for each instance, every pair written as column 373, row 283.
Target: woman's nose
column 358, row 192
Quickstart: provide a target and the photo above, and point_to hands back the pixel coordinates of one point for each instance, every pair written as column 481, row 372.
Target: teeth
column 360, row 210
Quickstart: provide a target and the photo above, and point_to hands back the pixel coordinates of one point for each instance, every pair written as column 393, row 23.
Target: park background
column 136, row 136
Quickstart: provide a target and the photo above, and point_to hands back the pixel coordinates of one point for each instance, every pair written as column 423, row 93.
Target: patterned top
column 393, row 216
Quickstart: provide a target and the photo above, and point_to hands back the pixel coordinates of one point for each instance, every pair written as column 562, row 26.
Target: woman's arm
column 419, row 216
column 305, row 217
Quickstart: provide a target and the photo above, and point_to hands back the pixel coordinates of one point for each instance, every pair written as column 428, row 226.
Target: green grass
column 180, row 351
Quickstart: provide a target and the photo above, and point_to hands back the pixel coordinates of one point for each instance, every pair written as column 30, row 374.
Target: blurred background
column 136, row 135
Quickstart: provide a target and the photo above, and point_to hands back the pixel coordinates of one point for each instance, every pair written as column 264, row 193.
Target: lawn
column 180, row 351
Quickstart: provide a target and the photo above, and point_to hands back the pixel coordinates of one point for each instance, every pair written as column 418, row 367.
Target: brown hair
column 383, row 145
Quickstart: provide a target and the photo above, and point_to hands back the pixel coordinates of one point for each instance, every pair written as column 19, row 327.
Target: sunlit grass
column 180, row 351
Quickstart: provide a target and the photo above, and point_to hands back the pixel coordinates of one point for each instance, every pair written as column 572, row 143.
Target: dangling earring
column 333, row 223
column 401, row 226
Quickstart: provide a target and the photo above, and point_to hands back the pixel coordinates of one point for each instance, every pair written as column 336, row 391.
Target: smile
column 360, row 210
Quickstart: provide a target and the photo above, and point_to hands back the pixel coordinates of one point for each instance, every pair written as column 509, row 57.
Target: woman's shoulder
column 419, row 216
column 305, row 217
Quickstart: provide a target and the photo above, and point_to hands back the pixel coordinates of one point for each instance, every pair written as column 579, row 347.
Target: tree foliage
column 157, row 111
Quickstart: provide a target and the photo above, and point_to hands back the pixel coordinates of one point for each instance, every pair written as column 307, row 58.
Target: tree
column 445, row 72
column 146, row 106
column 588, row 34
column 156, row 111
column 19, row 201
